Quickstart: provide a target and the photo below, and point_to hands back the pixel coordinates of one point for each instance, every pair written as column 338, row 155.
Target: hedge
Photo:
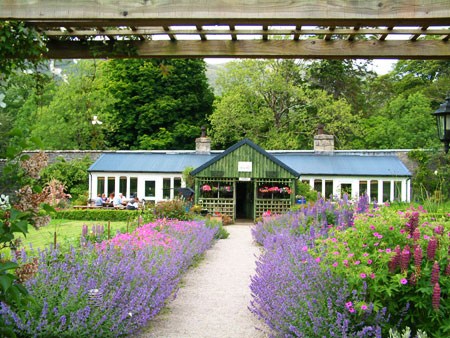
column 99, row 214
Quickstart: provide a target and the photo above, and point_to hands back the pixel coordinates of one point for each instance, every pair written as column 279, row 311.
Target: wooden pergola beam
column 373, row 49
column 93, row 13
column 298, row 31
column 171, row 35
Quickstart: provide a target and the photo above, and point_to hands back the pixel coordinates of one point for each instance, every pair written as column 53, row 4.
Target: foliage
column 221, row 233
column 267, row 102
column 349, row 79
column 400, row 259
column 174, row 209
column 305, row 191
column 17, row 39
column 409, row 118
column 432, row 174
column 156, row 109
column 126, row 287
column 188, row 178
column 65, row 121
column 101, row 214
column 292, row 294
column 406, row 333
column 18, row 211
column 73, row 174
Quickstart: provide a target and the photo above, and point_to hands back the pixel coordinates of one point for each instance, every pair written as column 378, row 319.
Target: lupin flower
column 435, row 273
column 413, row 222
column 447, row 270
column 436, row 296
column 413, row 279
column 405, row 259
column 416, row 235
column 431, row 249
column 418, row 258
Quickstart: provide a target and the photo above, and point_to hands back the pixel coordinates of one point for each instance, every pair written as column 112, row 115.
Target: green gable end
column 237, row 160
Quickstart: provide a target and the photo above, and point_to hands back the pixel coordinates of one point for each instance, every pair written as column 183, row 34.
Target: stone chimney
column 203, row 143
column 322, row 142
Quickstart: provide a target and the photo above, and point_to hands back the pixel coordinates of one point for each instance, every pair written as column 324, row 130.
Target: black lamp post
column 443, row 122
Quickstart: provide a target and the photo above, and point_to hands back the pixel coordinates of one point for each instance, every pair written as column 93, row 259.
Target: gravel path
column 214, row 297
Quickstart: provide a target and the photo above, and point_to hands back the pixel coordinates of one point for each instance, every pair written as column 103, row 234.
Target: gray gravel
column 214, row 296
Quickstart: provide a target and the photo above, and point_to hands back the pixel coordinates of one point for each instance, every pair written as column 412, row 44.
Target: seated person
column 104, row 198
column 118, row 201
column 98, row 202
column 133, row 204
column 111, row 197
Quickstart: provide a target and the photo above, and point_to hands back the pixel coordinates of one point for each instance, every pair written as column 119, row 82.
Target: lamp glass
column 441, row 126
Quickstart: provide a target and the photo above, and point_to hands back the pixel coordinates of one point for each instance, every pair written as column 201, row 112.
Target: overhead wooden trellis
column 230, row 28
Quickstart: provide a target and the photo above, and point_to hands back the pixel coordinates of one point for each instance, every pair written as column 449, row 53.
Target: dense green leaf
column 8, row 266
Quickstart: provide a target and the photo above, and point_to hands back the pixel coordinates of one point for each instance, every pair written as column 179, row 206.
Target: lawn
column 66, row 230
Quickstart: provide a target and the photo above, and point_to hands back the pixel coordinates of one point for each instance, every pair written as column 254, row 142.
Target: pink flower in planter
column 363, row 275
column 404, row 281
column 364, row 307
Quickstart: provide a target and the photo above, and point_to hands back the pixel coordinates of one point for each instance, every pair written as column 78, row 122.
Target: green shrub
column 73, row 174
column 175, row 209
column 304, row 189
column 222, row 233
column 103, row 215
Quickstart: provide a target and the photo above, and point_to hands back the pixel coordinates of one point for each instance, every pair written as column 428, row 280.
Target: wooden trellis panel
column 275, row 206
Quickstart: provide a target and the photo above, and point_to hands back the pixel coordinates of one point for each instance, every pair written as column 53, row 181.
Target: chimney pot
column 320, row 129
column 203, row 143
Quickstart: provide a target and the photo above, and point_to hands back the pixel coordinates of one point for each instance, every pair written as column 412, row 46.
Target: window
column 133, row 186
column 176, row 182
column 386, row 191
column 397, row 190
column 100, row 185
column 373, row 191
column 166, row 188
column 362, row 188
column 346, row 188
column 149, row 189
column 123, row 185
column 329, row 189
column 318, row 185
column 111, row 185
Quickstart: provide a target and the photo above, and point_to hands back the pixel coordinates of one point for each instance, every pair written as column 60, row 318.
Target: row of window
column 363, row 188
column 149, row 186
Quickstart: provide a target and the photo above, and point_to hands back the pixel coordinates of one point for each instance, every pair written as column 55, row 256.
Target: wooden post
column 54, row 239
column 128, row 222
column 109, row 229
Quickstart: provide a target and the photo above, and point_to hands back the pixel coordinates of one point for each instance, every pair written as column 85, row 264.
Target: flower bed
column 112, row 288
column 342, row 270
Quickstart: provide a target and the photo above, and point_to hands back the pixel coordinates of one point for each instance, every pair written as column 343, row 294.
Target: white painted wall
column 141, row 178
column 354, row 181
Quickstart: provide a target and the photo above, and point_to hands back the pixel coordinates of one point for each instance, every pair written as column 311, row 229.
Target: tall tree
column 268, row 102
column 160, row 104
column 347, row 79
column 66, row 121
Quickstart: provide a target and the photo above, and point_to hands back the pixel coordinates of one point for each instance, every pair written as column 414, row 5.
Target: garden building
column 245, row 180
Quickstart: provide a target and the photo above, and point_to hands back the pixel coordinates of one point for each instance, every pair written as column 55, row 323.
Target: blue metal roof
column 149, row 162
column 303, row 163
column 344, row 165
